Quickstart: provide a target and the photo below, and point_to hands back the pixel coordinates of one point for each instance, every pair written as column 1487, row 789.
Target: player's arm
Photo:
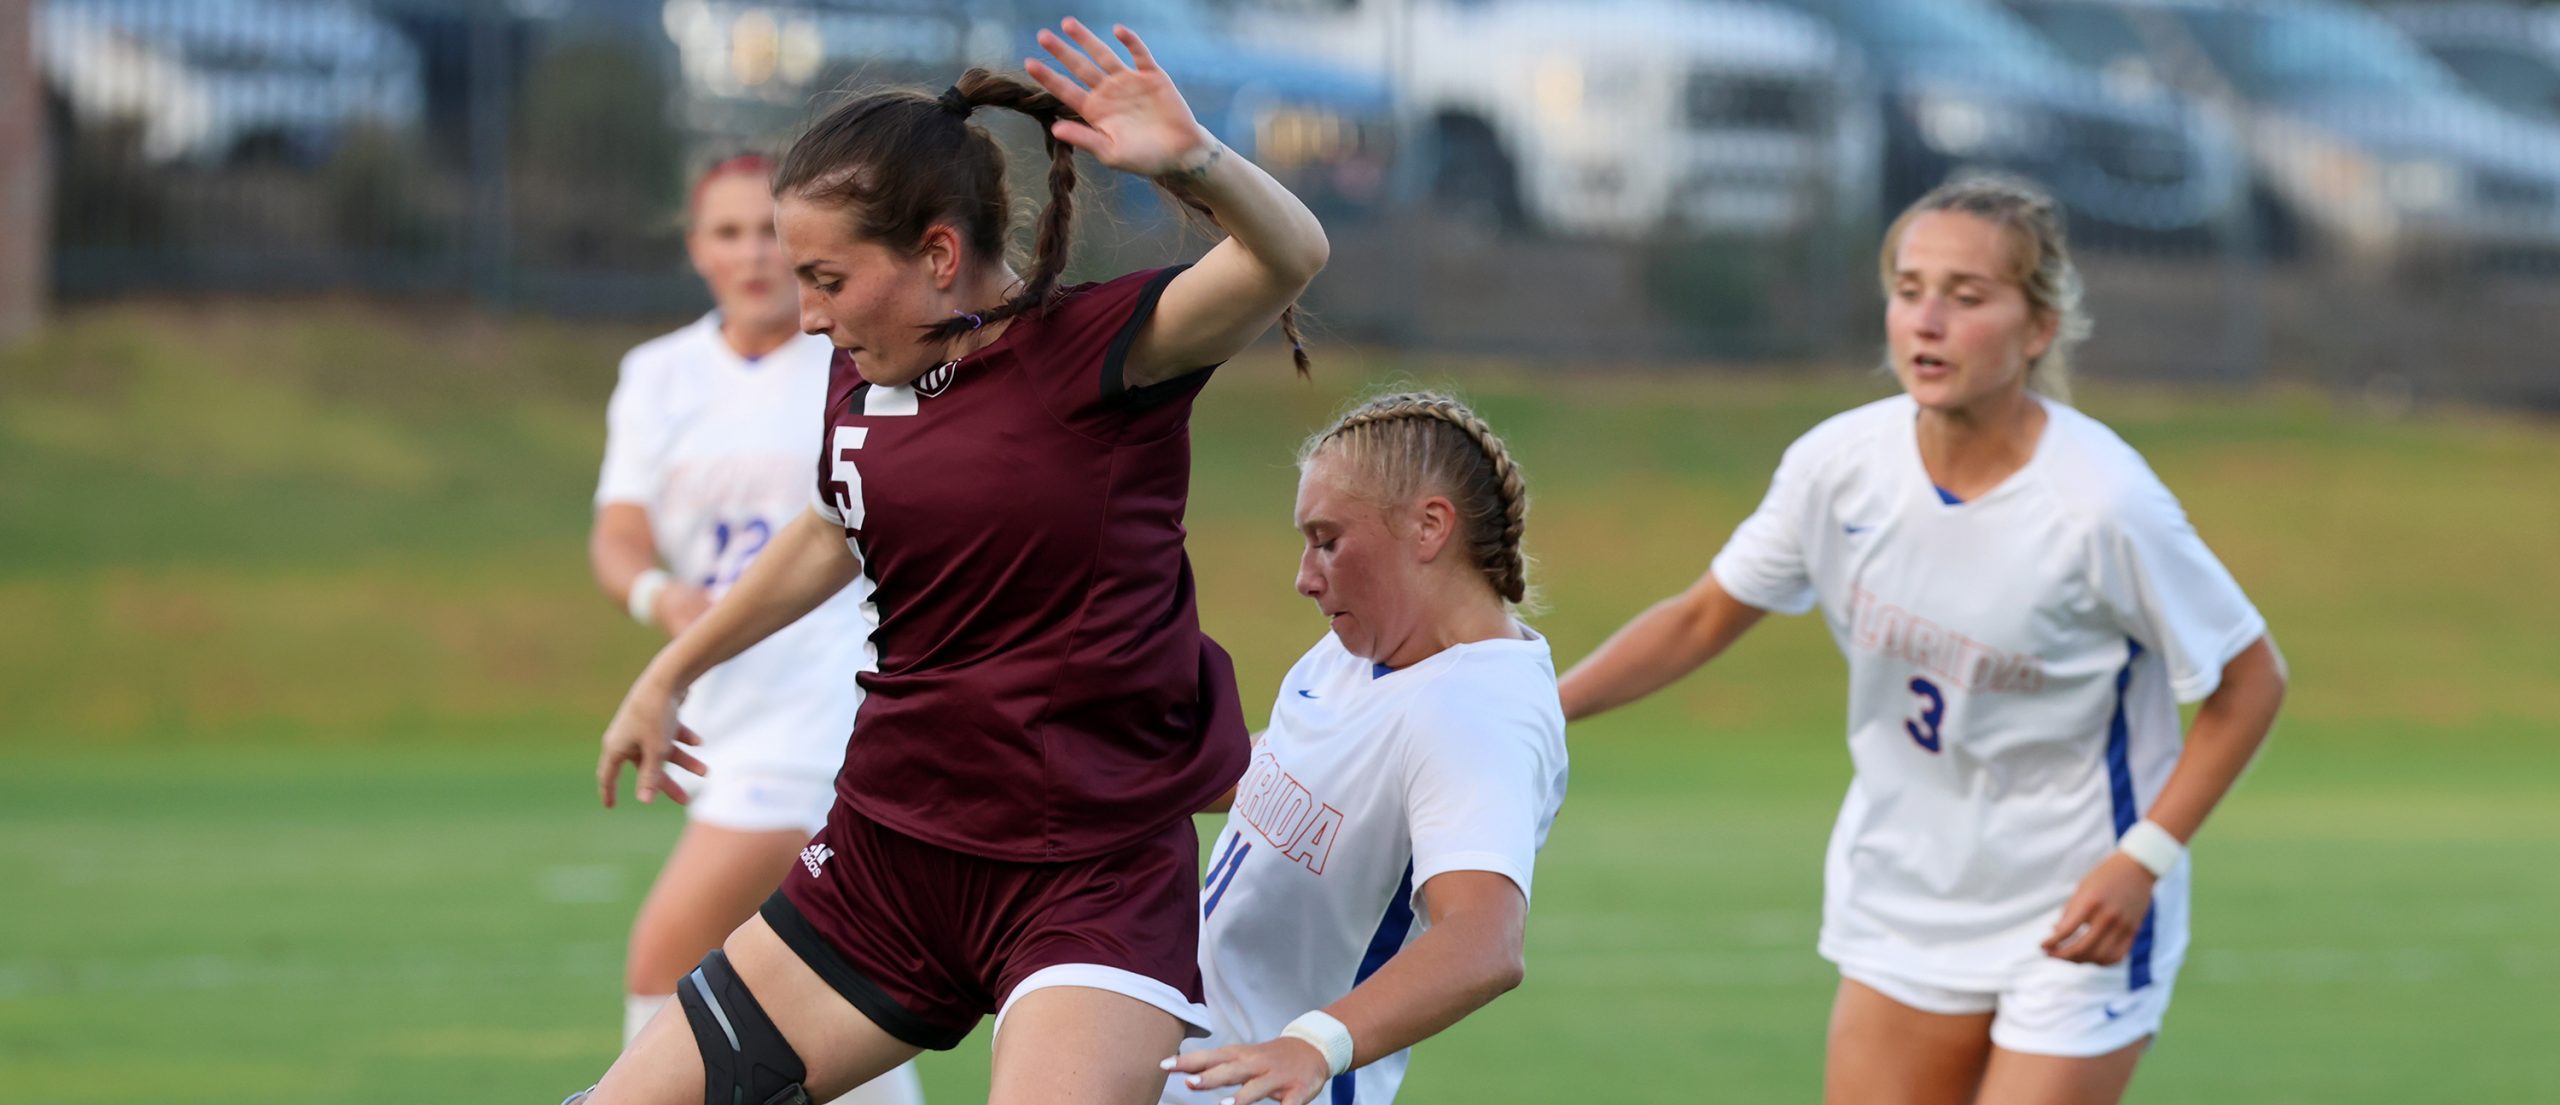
column 1673, row 638
column 1472, row 953
column 1136, row 121
column 621, row 549
column 802, row 567
column 2099, row 923
column 2228, row 731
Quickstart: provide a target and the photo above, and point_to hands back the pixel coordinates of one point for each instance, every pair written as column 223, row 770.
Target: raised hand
column 1134, row 119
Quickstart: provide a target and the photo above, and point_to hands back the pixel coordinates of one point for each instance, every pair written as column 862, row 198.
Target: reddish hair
column 746, row 164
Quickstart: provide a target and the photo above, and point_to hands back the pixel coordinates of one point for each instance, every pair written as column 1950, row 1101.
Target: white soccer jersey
column 720, row 449
column 1368, row 783
column 2015, row 668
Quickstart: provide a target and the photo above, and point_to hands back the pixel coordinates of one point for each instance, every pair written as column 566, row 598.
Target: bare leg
column 2017, row 1078
column 712, row 881
column 1882, row 1052
column 1073, row 1045
column 840, row 1046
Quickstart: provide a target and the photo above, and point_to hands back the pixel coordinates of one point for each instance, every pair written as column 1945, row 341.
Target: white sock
column 636, row 1011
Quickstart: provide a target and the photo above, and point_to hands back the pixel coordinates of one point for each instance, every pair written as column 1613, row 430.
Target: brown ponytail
column 903, row 161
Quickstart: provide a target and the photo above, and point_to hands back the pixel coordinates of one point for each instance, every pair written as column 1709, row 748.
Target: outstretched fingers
column 1209, row 1069
column 609, row 775
column 1137, row 49
column 654, row 757
column 1256, row 1071
column 1082, row 137
column 1073, row 60
column 1103, row 54
column 655, row 781
column 1059, row 84
column 686, row 760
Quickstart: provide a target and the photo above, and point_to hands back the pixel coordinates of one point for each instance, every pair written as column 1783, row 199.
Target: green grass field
column 302, row 674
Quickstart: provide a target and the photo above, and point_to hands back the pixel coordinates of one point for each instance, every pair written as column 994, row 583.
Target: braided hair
column 902, row 161
column 1414, row 443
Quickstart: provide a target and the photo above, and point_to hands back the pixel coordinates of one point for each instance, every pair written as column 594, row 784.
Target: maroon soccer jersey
column 1044, row 689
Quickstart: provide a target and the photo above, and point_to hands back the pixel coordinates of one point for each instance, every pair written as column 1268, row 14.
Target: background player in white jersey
column 1371, row 886
column 706, row 454
column 2023, row 606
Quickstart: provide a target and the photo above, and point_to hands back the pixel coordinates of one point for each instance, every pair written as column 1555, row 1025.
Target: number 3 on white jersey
column 849, row 504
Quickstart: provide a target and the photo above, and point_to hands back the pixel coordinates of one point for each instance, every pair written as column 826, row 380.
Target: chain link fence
column 2361, row 195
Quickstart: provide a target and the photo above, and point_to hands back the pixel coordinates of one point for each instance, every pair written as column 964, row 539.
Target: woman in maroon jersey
column 1007, row 461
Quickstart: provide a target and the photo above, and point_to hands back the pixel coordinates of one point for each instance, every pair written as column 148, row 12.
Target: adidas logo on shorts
column 814, row 856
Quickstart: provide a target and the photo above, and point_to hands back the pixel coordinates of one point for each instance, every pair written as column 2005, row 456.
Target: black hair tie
column 957, row 102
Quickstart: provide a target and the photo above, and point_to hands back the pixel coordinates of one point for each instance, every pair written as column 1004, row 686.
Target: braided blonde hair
column 1414, row 443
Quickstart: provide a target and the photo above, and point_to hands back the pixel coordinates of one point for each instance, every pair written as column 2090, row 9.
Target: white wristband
column 643, row 602
column 2153, row 847
column 1329, row 1036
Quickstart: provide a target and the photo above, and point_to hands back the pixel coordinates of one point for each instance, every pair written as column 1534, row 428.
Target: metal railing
column 1538, row 178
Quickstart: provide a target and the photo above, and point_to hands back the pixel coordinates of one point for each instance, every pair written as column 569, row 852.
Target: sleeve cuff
column 1747, row 594
column 1115, row 388
column 2200, row 684
column 1496, row 862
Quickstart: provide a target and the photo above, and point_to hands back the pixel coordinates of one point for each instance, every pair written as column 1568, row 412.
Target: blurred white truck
column 1619, row 119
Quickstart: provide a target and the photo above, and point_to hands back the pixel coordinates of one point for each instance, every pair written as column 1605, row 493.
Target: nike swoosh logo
column 1306, row 694
column 1853, row 531
column 2112, row 1012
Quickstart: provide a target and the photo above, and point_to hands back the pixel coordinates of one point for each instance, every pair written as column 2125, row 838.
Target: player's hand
column 679, row 605
column 2100, row 921
column 1134, row 119
column 1288, row 1071
column 644, row 733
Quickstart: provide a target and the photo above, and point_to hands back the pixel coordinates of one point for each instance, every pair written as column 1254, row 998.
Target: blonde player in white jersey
column 2023, row 606
column 1371, row 886
column 706, row 455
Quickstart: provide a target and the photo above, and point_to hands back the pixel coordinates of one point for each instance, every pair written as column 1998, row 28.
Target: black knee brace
column 745, row 1060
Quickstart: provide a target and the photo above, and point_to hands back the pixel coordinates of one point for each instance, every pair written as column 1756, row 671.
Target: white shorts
column 751, row 799
column 2071, row 1010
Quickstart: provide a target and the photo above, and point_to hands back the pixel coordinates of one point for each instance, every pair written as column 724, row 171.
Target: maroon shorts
column 925, row 940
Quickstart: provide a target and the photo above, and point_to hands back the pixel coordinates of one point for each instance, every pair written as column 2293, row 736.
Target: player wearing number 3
column 2023, row 606
column 706, row 454
column 1007, row 462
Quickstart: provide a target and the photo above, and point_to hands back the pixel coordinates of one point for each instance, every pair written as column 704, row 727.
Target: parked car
column 2506, row 54
column 1618, row 120
column 755, row 67
column 2365, row 148
column 1967, row 85
column 209, row 81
